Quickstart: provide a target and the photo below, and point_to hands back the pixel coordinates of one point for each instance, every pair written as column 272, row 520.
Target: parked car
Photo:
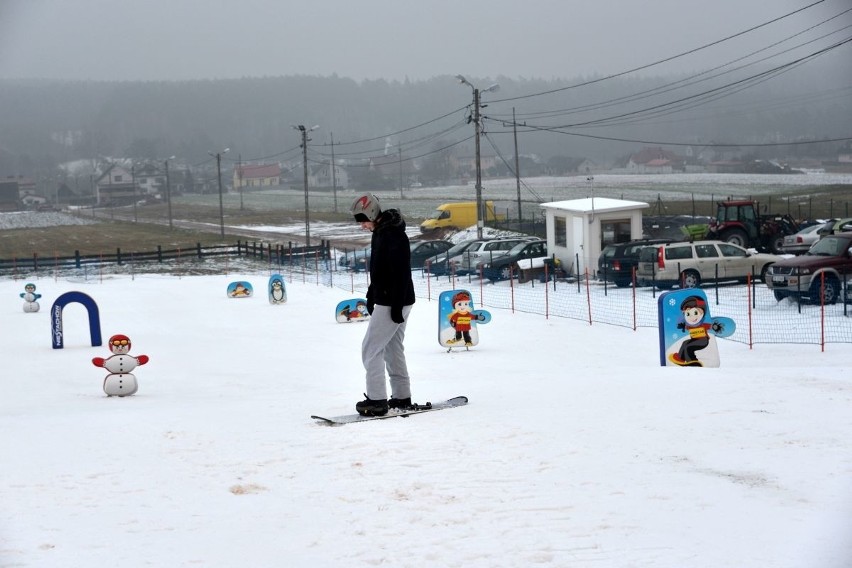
column 488, row 250
column 690, row 264
column 617, row 261
column 836, row 226
column 506, row 266
column 423, row 250
column 420, row 251
column 800, row 242
column 816, row 275
column 440, row 264
column 350, row 258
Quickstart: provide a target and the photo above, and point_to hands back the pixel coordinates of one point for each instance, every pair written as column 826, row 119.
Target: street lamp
column 169, row 191
column 477, row 127
column 218, row 156
column 301, row 128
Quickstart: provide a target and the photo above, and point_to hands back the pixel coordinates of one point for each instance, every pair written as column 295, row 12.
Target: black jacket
column 390, row 262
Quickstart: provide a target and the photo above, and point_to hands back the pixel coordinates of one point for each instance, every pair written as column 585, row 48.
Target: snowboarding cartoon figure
column 461, row 318
column 120, row 381
column 30, row 298
column 694, row 310
column 239, row 290
column 348, row 313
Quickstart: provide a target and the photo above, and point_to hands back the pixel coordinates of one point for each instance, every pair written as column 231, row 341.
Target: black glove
column 717, row 327
column 370, row 303
column 396, row 314
column 681, row 326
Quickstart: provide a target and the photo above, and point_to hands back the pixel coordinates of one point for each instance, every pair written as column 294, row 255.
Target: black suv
column 617, row 261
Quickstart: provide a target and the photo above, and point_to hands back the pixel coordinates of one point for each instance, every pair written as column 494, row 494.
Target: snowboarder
column 389, row 300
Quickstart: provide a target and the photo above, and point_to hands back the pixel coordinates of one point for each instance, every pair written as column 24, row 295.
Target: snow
column 577, row 448
column 39, row 219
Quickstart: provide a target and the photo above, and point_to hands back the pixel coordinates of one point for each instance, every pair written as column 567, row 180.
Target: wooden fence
column 275, row 253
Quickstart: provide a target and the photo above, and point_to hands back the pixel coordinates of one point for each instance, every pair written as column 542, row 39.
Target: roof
column 595, row 205
column 249, row 171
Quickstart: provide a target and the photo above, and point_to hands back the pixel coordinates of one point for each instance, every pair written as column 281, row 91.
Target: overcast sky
column 378, row 39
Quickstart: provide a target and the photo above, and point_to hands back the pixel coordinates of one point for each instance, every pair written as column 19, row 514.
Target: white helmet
column 366, row 208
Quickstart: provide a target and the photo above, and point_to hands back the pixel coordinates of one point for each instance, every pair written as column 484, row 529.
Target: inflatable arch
column 56, row 317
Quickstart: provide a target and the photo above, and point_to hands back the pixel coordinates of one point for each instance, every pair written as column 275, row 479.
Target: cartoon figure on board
column 686, row 323
column 277, row 290
column 457, row 319
column 30, row 297
column 351, row 310
column 240, row 290
column 120, row 381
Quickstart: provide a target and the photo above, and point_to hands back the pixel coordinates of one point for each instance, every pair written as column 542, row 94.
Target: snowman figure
column 120, row 381
column 30, row 298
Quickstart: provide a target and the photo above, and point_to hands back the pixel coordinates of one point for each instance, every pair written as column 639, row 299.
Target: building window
column 560, row 238
column 615, row 231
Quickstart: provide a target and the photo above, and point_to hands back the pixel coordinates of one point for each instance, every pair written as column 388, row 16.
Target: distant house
column 115, row 187
column 463, row 166
column 150, row 180
column 654, row 161
column 257, row 175
column 321, row 176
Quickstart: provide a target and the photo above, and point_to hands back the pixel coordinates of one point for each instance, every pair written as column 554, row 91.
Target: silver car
column 690, row 264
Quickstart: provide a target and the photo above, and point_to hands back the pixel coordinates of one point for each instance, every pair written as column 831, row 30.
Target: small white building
column 578, row 229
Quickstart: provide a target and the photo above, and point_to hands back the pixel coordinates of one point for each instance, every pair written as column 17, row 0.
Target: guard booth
column 578, row 229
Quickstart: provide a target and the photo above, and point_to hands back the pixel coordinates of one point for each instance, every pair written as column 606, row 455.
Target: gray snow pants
column 382, row 347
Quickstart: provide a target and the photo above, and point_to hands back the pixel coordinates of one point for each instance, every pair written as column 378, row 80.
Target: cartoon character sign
column 351, row 310
column 120, row 381
column 687, row 331
column 30, row 298
column 457, row 319
column 240, row 290
column 277, row 290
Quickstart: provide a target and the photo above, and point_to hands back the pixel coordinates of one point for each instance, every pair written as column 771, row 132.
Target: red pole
column 750, row 323
column 588, row 296
column 511, row 285
column 546, row 294
column 822, row 311
column 633, row 278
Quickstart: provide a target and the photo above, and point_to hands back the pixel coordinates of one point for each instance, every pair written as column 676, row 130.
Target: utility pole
column 133, row 177
column 476, row 123
column 240, row 176
column 333, row 174
column 399, row 158
column 301, row 128
column 218, row 156
column 169, row 194
column 477, row 129
column 517, row 164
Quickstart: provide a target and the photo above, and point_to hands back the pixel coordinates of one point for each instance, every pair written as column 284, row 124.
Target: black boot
column 401, row 403
column 370, row 407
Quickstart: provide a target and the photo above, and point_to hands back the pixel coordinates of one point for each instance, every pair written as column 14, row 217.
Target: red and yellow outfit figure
column 461, row 318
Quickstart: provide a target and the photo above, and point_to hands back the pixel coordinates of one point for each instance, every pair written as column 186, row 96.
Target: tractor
column 740, row 223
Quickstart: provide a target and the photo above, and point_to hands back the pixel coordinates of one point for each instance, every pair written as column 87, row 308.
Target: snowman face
column 119, row 346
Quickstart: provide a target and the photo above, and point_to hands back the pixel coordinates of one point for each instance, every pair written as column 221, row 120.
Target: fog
column 384, row 39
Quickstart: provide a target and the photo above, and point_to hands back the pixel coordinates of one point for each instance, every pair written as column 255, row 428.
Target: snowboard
column 393, row 413
column 354, row 309
column 454, row 332
column 276, row 289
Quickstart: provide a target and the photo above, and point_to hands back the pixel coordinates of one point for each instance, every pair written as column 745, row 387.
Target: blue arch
column 56, row 317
